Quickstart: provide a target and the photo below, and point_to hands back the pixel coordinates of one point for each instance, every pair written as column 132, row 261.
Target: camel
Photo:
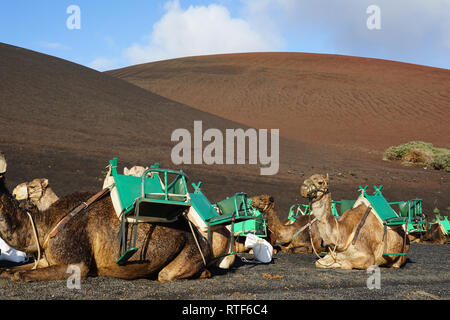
column 291, row 236
column 346, row 251
column 37, row 192
column 89, row 241
column 435, row 234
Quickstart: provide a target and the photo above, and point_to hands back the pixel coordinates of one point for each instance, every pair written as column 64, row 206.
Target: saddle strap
column 73, row 213
column 309, row 224
column 361, row 223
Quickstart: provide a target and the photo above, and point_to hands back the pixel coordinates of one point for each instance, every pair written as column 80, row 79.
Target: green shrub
column 441, row 162
column 419, row 152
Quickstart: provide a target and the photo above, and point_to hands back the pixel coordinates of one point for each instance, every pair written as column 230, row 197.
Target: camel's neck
column 3, row 189
column 327, row 223
column 273, row 221
column 13, row 227
column 47, row 199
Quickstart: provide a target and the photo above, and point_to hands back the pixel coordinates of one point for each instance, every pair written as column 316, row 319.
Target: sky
column 110, row 34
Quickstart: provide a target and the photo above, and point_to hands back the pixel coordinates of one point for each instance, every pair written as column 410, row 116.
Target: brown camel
column 38, row 192
column 291, row 237
column 345, row 251
column 89, row 241
column 435, row 234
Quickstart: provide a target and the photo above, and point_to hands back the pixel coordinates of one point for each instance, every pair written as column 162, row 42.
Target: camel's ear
column 44, row 183
column 327, row 178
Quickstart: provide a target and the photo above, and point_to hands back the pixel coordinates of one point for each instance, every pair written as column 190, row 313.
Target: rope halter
column 312, row 191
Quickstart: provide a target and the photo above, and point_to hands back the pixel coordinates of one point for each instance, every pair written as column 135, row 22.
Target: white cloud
column 199, row 30
column 411, row 30
column 102, row 64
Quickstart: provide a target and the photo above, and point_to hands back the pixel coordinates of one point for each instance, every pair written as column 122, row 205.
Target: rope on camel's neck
column 36, row 240
column 333, row 252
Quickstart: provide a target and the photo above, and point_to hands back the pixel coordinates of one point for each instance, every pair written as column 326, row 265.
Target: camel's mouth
column 20, row 192
column 304, row 191
column 308, row 190
column 262, row 203
column 311, row 191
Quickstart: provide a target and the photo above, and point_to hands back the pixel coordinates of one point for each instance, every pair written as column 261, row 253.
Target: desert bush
column 441, row 162
column 420, row 153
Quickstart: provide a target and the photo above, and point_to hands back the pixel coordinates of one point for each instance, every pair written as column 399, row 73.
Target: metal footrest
column 127, row 255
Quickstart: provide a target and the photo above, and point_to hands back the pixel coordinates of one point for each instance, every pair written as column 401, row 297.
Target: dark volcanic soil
column 426, row 275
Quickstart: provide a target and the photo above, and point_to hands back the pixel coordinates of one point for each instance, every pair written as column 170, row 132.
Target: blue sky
column 118, row 33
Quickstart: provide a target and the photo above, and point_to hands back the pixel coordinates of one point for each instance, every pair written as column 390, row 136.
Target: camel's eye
column 321, row 182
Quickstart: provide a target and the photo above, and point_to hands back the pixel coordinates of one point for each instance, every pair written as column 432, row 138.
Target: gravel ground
column 426, row 276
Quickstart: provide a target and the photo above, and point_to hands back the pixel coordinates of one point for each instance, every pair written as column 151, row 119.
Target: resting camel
column 37, row 192
column 89, row 240
column 346, row 251
column 435, row 234
column 295, row 237
column 220, row 237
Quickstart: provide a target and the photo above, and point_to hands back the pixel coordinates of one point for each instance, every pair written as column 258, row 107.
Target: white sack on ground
column 262, row 249
column 10, row 254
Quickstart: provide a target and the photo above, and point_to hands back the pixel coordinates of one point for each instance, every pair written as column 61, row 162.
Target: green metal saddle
column 412, row 210
column 233, row 211
column 443, row 221
column 158, row 196
column 384, row 211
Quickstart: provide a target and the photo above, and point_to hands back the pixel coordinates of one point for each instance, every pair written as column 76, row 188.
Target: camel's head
column 315, row 187
column 33, row 190
column 136, row 171
column 2, row 165
column 262, row 202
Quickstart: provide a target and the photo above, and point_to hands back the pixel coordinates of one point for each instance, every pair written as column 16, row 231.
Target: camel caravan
column 145, row 223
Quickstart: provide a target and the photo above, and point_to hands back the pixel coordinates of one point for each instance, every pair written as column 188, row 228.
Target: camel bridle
column 312, row 191
column 41, row 189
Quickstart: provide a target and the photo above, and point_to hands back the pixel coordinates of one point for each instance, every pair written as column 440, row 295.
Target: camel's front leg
column 58, row 272
column 348, row 260
column 7, row 273
column 327, row 262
